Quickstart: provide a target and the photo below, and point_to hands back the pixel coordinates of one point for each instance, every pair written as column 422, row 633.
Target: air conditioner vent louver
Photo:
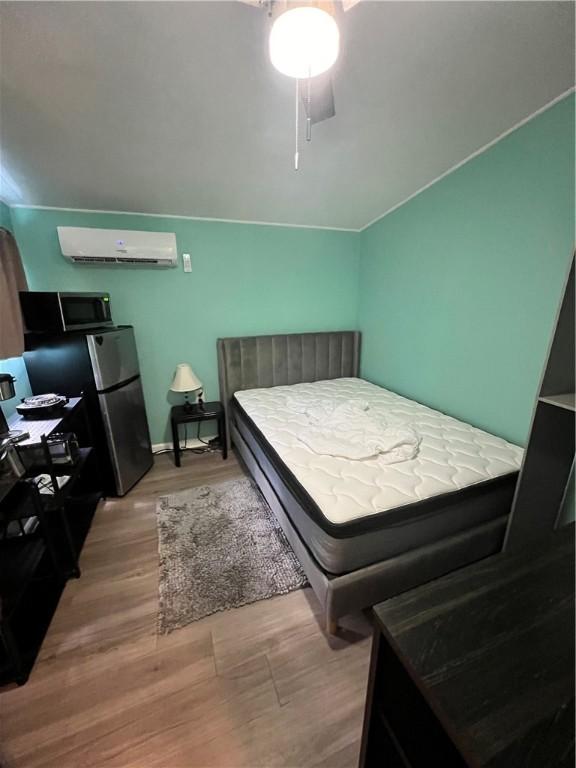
column 129, row 260
column 85, row 245
column 97, row 259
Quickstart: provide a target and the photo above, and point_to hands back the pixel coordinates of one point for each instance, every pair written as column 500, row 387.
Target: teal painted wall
column 14, row 365
column 459, row 287
column 457, row 290
column 245, row 279
column 5, row 217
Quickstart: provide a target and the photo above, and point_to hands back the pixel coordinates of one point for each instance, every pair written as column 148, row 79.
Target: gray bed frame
column 250, row 362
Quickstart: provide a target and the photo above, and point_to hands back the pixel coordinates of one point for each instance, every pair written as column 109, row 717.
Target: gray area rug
column 220, row 547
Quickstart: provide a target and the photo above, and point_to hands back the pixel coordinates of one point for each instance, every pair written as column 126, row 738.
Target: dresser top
column 491, row 647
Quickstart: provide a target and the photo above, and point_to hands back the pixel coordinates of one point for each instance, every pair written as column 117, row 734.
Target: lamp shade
column 185, row 380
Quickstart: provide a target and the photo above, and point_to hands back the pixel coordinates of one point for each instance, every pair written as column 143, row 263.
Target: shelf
column 30, row 622
column 567, row 401
column 19, row 560
column 79, row 512
column 61, row 470
column 19, row 504
column 52, row 504
column 38, row 427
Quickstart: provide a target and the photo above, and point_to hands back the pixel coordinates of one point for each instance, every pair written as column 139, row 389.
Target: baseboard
column 192, row 442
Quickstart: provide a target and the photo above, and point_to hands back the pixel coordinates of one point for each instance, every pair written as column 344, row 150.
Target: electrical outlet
column 187, row 262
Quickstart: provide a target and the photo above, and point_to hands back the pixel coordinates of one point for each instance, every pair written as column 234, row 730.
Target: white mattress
column 453, row 455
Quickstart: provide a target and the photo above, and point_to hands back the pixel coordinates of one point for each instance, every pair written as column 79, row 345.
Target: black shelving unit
column 543, row 489
column 27, row 559
column 35, row 562
column 68, row 506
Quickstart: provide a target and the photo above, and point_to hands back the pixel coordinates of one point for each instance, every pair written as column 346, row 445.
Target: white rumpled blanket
column 350, row 430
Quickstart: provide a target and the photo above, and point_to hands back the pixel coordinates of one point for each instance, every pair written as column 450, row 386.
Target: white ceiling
column 165, row 107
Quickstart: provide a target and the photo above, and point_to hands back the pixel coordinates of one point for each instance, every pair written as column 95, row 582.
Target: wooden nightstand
column 180, row 414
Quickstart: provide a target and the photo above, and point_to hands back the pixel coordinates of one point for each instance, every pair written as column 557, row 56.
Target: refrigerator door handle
column 114, row 387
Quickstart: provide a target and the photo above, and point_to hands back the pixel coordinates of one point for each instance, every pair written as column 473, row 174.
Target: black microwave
column 46, row 312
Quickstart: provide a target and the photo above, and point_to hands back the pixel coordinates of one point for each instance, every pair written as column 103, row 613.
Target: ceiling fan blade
column 347, row 4
column 319, row 105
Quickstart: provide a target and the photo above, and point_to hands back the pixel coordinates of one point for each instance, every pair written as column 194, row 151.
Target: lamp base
column 193, row 407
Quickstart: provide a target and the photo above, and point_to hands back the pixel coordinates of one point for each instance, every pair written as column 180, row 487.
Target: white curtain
column 12, row 280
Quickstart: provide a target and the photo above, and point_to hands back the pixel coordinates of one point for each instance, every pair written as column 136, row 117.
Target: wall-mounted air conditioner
column 85, row 245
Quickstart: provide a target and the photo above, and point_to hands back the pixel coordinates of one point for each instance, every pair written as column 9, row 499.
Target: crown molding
column 185, row 218
column 378, row 218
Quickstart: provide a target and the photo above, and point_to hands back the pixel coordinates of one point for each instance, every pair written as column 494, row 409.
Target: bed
column 362, row 530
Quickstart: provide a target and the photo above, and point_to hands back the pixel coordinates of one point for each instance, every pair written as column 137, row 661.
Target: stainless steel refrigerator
column 103, row 367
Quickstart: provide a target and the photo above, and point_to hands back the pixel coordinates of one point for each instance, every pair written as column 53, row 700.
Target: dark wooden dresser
column 477, row 668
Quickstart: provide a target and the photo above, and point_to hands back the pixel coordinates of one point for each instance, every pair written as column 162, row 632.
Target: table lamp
column 185, row 380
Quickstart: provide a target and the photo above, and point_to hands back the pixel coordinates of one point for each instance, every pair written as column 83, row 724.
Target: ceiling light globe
column 304, row 42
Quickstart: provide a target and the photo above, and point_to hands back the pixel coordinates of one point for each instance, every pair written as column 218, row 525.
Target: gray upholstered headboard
column 248, row 362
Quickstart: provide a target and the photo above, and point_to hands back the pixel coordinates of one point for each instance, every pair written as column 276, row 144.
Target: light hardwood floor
column 256, row 686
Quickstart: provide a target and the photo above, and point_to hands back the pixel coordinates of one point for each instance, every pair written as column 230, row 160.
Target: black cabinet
column 477, row 667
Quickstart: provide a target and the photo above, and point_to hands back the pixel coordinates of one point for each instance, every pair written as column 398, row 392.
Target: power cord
column 191, row 449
